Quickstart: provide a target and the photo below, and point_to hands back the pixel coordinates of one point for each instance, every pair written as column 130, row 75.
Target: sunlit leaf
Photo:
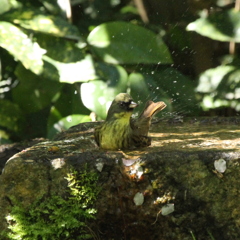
column 221, row 26
column 21, row 47
column 220, row 86
column 33, row 93
column 60, row 49
column 4, row 137
column 64, row 61
column 97, row 95
column 224, row 3
column 5, row 6
column 80, row 71
column 67, row 122
column 222, row 81
column 35, row 20
column 122, row 42
column 210, row 80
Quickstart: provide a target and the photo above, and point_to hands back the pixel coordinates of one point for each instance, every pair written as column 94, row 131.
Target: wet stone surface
column 170, row 190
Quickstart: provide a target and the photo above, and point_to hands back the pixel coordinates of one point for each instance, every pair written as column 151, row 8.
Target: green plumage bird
column 120, row 131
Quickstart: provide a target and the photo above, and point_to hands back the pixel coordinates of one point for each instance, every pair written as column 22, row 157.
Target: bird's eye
column 122, row 103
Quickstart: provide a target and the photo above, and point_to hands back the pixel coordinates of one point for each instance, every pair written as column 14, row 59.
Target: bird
column 120, row 131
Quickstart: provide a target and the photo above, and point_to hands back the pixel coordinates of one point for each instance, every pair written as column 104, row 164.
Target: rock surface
column 177, row 169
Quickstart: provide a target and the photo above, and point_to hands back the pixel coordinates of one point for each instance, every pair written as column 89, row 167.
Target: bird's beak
column 133, row 104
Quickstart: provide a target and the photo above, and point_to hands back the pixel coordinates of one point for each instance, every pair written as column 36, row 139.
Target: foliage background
column 62, row 60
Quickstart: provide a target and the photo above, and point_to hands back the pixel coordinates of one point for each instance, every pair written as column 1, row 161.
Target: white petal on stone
column 220, row 165
column 58, row 163
column 99, row 166
column 128, row 162
column 138, row 199
column 167, row 209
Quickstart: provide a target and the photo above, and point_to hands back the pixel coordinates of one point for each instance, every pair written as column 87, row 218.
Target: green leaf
column 179, row 88
column 68, row 103
column 64, row 61
column 80, row 71
column 35, row 20
column 126, row 43
column 21, row 47
column 4, row 137
column 220, row 86
column 67, row 122
column 34, row 93
column 97, row 95
column 164, row 84
column 54, row 7
column 210, row 80
column 144, row 88
column 222, row 26
column 60, row 49
column 5, row 6
column 11, row 116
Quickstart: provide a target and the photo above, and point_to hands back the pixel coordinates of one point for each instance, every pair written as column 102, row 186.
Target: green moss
column 57, row 217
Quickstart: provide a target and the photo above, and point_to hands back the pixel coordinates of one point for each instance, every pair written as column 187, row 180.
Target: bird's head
column 121, row 106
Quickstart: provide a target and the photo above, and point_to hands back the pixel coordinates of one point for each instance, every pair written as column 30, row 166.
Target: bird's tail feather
column 152, row 108
column 143, row 122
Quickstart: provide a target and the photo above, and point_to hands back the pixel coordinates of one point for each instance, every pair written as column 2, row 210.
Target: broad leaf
column 210, row 80
column 67, row 122
column 97, row 95
column 68, row 103
column 60, row 49
column 80, row 71
column 220, row 86
column 34, row 93
column 21, row 47
column 179, row 88
column 222, row 26
column 126, row 43
column 143, row 88
column 35, row 20
column 4, row 137
column 165, row 84
column 5, row 6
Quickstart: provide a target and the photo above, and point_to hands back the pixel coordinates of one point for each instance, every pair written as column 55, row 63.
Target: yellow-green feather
column 115, row 134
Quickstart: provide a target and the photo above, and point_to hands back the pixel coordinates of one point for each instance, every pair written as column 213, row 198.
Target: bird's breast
column 116, row 134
